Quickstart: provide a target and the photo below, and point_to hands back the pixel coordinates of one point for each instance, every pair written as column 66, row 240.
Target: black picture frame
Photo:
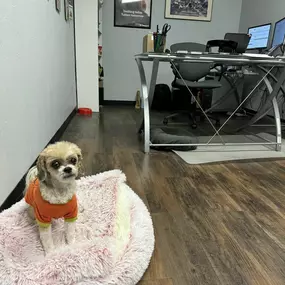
column 187, row 11
column 140, row 20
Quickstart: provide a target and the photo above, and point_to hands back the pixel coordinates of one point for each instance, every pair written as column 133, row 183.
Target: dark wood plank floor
column 221, row 224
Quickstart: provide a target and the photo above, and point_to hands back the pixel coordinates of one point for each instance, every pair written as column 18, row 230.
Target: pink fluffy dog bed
column 114, row 240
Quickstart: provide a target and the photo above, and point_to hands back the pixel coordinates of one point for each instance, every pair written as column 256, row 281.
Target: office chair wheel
column 194, row 126
column 217, row 124
column 165, row 121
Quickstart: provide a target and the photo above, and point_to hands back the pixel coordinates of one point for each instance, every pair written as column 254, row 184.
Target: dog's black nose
column 67, row 169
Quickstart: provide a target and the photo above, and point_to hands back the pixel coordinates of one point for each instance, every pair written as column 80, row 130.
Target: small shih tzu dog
column 50, row 190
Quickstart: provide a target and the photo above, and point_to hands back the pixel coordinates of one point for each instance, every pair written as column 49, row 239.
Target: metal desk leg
column 153, row 79
column 262, row 113
column 243, row 101
column 147, row 99
column 273, row 92
column 278, row 125
column 273, row 77
column 276, row 115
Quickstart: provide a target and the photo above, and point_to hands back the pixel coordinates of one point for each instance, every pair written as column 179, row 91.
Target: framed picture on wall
column 195, row 10
column 57, row 5
column 132, row 13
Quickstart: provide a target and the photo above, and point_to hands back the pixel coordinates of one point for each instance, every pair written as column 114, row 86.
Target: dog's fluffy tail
column 31, row 176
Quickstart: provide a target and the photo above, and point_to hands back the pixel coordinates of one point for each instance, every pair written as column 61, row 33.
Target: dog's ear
column 78, row 153
column 80, row 167
column 80, row 163
column 41, row 166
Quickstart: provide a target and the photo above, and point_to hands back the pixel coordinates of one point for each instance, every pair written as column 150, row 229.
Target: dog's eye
column 73, row 160
column 55, row 164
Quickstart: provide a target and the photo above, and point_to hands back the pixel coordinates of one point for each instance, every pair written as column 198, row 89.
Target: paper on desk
column 257, row 55
column 187, row 52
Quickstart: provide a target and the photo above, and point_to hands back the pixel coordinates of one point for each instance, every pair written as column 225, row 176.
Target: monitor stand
column 274, row 49
column 261, row 50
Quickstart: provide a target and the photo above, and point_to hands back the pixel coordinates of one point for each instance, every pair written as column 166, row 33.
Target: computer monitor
column 279, row 33
column 259, row 36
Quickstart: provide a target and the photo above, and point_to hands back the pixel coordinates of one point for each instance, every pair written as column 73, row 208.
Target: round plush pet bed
column 114, row 239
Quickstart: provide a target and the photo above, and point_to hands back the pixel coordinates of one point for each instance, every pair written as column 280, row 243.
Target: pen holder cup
column 159, row 41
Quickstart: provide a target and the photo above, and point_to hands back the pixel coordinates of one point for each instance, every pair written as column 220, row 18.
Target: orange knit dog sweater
column 44, row 211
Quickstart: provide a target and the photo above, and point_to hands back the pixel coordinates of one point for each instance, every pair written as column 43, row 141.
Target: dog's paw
column 49, row 253
column 49, row 250
column 70, row 232
column 70, row 240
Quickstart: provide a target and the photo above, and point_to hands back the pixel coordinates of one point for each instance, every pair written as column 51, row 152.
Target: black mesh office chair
column 191, row 73
column 234, row 43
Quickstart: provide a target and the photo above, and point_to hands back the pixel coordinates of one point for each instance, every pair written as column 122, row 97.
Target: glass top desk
column 264, row 65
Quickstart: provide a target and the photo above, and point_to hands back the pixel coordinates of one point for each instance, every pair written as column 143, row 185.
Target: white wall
column 258, row 12
column 121, row 77
column 37, row 89
column 86, row 34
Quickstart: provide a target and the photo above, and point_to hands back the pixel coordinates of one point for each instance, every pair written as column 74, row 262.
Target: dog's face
column 59, row 162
